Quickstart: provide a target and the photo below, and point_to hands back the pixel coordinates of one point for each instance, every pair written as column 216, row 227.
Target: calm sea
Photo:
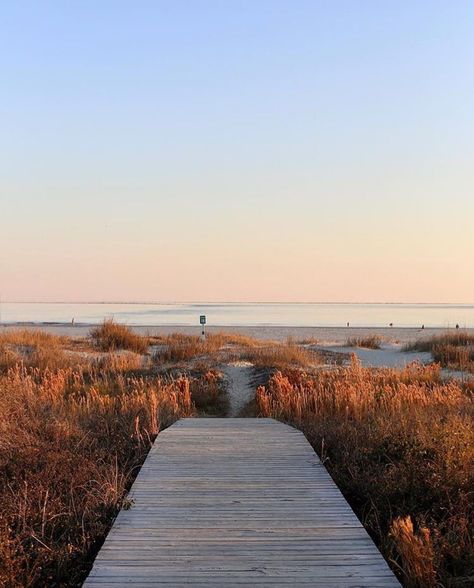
column 304, row 315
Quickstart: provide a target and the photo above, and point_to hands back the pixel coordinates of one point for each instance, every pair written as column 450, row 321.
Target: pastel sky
column 237, row 150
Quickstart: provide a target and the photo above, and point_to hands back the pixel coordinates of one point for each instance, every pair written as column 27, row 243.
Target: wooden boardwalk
column 237, row 502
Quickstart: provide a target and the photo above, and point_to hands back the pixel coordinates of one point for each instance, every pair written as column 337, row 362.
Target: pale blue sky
column 245, row 150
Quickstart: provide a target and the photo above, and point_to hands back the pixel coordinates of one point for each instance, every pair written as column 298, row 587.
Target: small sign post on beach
column 202, row 320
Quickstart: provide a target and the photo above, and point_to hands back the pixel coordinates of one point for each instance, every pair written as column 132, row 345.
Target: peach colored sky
column 246, row 152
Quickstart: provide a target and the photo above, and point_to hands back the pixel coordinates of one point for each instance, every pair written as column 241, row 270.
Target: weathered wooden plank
column 230, row 502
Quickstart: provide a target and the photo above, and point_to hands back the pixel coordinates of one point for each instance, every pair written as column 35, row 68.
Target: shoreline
column 324, row 335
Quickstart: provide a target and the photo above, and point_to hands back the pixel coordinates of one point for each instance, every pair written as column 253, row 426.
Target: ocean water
column 244, row 314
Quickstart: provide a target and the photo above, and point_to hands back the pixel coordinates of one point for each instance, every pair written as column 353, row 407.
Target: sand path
column 239, row 385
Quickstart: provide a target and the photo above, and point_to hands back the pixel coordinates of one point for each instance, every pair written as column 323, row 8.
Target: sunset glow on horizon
column 270, row 151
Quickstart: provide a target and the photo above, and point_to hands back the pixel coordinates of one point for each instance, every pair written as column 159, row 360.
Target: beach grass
column 181, row 348
column 370, row 342
column 400, row 445
column 111, row 336
column 77, row 421
column 454, row 350
column 282, row 355
column 74, row 429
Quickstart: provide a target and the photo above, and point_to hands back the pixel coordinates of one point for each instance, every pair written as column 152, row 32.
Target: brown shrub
column 454, row 356
column 74, row 428
column 32, row 348
column 177, row 347
column 452, row 350
column 416, row 551
column 110, row 336
column 233, row 339
column 459, row 338
column 208, row 393
column 70, row 447
column 399, row 443
column 282, row 355
column 31, row 337
column 125, row 361
column 371, row 342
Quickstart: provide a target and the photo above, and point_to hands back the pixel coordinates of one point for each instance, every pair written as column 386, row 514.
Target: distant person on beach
column 347, row 324
column 457, row 326
column 422, row 326
column 72, row 322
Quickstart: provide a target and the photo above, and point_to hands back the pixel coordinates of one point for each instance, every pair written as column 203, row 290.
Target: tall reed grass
column 288, row 354
column 72, row 438
column 400, row 444
column 370, row 342
column 182, row 348
column 31, row 347
column 451, row 350
column 110, row 336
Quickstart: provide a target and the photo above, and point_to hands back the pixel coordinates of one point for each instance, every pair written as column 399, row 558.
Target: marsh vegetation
column 400, row 445
column 76, row 424
column 454, row 350
column 77, row 418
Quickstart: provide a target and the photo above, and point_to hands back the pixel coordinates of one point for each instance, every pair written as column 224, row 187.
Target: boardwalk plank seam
column 237, row 502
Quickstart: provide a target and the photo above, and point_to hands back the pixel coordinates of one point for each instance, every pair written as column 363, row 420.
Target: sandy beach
column 326, row 336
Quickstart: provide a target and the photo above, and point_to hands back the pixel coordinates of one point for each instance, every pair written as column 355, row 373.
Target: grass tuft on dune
column 110, row 336
column 451, row 350
column 371, row 342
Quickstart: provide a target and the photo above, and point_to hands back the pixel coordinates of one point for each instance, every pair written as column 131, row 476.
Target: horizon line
column 196, row 302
